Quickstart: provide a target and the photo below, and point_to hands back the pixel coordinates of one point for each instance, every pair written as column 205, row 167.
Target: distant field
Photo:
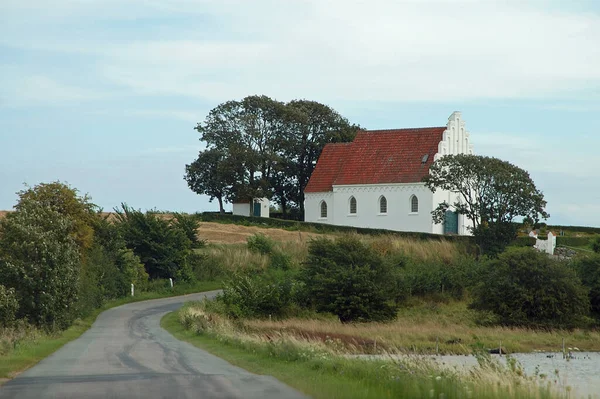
column 219, row 233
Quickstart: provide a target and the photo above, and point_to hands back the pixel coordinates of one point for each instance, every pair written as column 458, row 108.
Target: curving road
column 126, row 354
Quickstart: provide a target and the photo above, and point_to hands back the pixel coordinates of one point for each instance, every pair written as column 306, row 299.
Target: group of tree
column 61, row 257
column 260, row 147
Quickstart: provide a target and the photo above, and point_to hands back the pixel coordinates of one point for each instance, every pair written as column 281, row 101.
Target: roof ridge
column 403, row 128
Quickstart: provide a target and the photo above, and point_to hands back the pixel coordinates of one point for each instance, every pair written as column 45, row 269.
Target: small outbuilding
column 259, row 207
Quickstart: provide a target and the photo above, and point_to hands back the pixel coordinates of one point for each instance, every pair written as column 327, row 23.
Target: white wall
column 264, row 206
column 243, row 209
column 398, row 217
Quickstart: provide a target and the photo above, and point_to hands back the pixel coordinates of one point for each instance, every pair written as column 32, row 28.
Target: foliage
column 524, row 241
column 259, row 147
column 596, row 245
column 257, row 295
column 66, row 201
column 588, row 269
column 162, row 246
column 491, row 193
column 261, row 243
column 492, row 238
column 211, row 174
column 189, row 224
column 204, row 267
column 527, row 288
column 9, row 305
column 573, row 241
column 349, row 279
column 310, row 126
column 41, row 262
column 434, row 278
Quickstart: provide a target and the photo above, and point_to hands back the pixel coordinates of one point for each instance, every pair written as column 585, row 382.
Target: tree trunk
column 221, row 209
column 283, row 207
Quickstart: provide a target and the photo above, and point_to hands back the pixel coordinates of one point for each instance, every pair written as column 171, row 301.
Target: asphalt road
column 126, row 354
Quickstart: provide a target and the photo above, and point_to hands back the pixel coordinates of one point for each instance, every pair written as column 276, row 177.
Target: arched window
column 414, row 204
column 352, row 205
column 323, row 209
column 382, row 204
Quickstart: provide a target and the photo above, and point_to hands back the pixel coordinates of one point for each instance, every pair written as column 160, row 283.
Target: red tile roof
column 376, row 157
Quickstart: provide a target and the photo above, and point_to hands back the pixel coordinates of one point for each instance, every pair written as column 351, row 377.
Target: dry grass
column 490, row 379
column 417, row 330
column 423, row 250
column 219, row 233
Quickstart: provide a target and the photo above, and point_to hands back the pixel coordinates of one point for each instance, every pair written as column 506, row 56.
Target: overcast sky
column 104, row 94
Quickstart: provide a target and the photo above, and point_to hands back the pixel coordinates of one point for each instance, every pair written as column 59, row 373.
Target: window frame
column 414, row 203
column 323, row 207
column 352, row 201
column 383, row 210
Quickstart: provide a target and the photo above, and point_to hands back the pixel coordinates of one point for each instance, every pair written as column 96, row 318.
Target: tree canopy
column 492, row 193
column 262, row 147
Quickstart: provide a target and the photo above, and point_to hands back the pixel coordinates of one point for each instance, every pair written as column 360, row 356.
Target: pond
column 580, row 371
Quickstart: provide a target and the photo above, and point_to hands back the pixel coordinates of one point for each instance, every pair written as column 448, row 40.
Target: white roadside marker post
column 171, row 281
column 131, row 289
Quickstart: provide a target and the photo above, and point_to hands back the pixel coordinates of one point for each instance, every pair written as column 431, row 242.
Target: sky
column 105, row 94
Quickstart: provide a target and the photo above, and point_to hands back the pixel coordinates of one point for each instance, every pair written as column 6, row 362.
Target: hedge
column 322, row 227
column 573, row 241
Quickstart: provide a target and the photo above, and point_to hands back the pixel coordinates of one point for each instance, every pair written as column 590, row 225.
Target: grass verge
column 36, row 345
column 321, row 375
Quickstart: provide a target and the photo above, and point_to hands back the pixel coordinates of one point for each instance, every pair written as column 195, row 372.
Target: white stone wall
column 398, row 217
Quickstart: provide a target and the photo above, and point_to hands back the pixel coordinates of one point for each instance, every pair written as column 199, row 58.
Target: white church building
column 375, row 181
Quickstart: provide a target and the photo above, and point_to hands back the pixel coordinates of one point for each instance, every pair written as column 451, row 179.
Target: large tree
column 246, row 132
column 310, row 126
column 266, row 148
column 211, row 174
column 492, row 193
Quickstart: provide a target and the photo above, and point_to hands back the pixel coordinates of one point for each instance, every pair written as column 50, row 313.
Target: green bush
column 527, row 288
column 161, row 246
column 261, row 243
column 205, row 268
column 588, row 269
column 525, row 241
column 573, row 241
column 257, row 296
column 8, row 306
column 41, row 262
column 189, row 224
column 350, row 280
column 280, row 260
column 596, row 245
column 493, row 238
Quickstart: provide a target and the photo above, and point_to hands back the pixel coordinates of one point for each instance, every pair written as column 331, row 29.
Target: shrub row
column 573, row 241
column 321, row 227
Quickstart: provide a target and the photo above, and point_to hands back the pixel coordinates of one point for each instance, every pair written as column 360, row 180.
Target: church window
column 323, row 209
column 414, row 204
column 352, row 205
column 382, row 204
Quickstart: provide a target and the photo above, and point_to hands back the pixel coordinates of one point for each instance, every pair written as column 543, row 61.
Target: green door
column 256, row 209
column 451, row 223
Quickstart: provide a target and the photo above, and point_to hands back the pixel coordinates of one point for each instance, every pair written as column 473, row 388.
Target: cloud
column 35, row 90
column 347, row 50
